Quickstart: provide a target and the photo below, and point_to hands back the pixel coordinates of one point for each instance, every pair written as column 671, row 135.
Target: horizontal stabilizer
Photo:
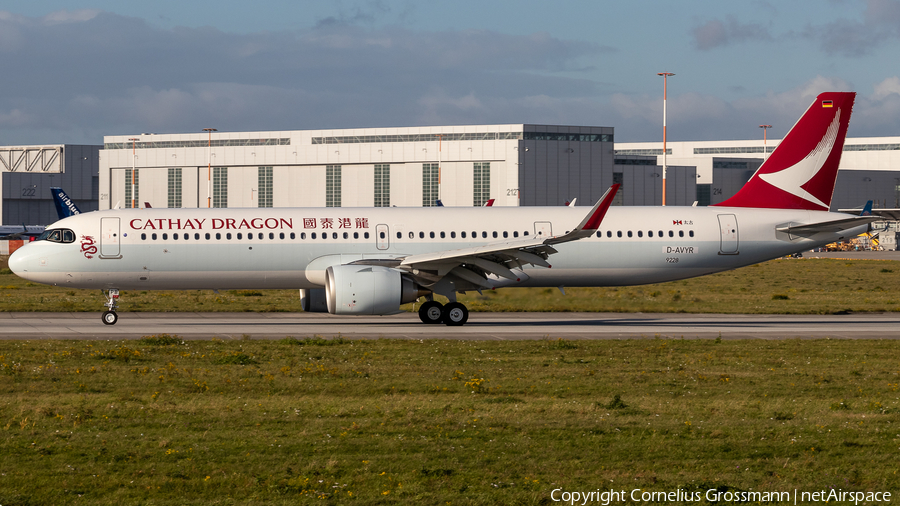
column 827, row 226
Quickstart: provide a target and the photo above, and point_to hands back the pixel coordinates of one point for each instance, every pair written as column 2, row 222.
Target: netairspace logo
column 607, row 497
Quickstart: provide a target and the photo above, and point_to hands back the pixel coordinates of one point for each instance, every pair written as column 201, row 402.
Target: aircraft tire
column 431, row 312
column 109, row 317
column 455, row 314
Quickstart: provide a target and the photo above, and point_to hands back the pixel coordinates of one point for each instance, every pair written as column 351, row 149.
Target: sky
column 76, row 70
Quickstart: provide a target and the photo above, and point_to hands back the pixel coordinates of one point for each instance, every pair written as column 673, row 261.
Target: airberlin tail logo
column 792, row 179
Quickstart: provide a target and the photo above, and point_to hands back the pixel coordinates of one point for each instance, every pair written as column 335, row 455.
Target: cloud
column 100, row 74
column 880, row 23
column 717, row 33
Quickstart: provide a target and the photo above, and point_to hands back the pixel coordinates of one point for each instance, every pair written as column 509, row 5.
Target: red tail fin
column 801, row 172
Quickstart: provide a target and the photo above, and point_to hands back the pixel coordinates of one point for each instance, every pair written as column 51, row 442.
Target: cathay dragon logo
column 88, row 247
column 794, row 177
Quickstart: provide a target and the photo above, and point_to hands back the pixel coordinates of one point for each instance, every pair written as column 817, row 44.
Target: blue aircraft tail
column 867, row 211
column 65, row 207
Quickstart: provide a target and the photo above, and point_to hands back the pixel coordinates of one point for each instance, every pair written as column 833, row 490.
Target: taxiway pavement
column 481, row 326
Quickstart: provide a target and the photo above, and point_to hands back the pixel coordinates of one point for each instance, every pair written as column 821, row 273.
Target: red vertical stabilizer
column 801, row 172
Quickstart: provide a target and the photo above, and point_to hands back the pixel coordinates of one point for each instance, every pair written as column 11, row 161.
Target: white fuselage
column 636, row 245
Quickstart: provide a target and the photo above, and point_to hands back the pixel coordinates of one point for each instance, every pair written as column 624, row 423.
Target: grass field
column 161, row 421
column 808, row 286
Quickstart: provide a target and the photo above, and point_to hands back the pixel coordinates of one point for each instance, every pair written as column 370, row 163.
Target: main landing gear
column 453, row 314
column 109, row 316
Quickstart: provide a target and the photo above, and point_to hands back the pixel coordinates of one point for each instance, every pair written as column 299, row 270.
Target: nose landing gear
column 109, row 316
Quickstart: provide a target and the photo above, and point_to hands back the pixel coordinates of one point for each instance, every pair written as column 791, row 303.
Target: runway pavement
column 481, row 326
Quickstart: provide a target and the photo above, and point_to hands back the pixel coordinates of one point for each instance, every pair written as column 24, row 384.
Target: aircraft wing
column 827, row 226
column 473, row 265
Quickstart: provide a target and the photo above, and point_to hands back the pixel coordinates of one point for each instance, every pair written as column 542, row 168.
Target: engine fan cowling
column 367, row 289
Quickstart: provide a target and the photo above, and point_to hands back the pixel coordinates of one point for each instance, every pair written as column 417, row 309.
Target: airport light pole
column 765, row 150
column 665, row 76
column 133, row 156
column 209, row 167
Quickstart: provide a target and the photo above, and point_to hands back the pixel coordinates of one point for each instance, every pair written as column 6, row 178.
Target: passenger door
column 110, row 239
column 728, row 228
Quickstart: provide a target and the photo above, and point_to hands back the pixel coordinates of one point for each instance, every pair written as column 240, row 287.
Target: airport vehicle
column 351, row 261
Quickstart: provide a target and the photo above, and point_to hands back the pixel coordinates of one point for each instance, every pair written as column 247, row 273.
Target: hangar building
column 869, row 170
column 406, row 167
column 28, row 172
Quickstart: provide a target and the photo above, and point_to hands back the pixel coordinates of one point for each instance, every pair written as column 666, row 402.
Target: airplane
column 353, row 261
column 8, row 232
column 65, row 206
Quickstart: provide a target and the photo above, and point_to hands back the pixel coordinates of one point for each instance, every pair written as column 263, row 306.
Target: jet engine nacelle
column 367, row 289
column 312, row 300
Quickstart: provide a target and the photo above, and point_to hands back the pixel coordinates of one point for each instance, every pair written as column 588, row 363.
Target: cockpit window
column 62, row 235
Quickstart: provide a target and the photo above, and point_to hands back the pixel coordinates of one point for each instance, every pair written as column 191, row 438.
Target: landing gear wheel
column 110, row 317
column 455, row 314
column 431, row 312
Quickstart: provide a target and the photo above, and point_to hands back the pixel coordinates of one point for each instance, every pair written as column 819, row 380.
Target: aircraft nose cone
column 18, row 262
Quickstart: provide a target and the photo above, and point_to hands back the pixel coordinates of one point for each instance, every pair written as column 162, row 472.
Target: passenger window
column 629, row 233
column 681, row 233
column 484, row 235
column 640, row 233
column 281, row 235
column 671, row 234
column 228, row 236
column 365, row 235
column 293, row 235
column 153, row 236
column 355, row 235
column 462, row 234
column 650, row 233
column 175, row 237
column 453, row 235
column 505, row 234
column 609, row 233
column 421, row 235
column 412, row 235
column 443, row 235
column 303, row 236
column 526, row 233
column 312, row 235
column 515, row 233
column 143, row 237
column 691, row 233
column 165, row 236
column 431, row 234
column 619, row 233
column 261, row 235
column 271, row 235
column 381, row 234
column 660, row 233
column 197, row 236
column 495, row 234
column 399, row 235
